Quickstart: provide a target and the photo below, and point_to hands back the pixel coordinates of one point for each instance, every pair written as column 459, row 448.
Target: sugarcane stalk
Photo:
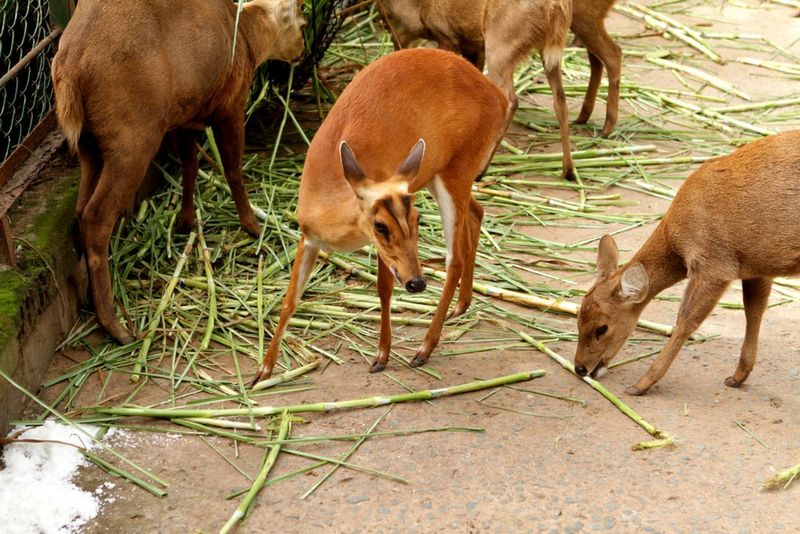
column 662, row 439
column 286, row 422
column 533, row 301
column 347, row 455
column 211, row 287
column 162, row 305
column 285, row 377
column 784, row 478
column 367, row 402
column 697, row 73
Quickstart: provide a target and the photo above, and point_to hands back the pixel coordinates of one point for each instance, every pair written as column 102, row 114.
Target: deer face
column 609, row 311
column 388, row 216
column 290, row 44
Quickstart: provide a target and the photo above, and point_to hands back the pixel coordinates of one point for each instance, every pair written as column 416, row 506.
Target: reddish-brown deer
column 415, row 118
column 126, row 73
column 736, row 217
column 502, row 32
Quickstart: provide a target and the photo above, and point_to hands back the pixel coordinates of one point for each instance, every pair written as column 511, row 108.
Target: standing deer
column 502, row 32
column 126, row 73
column 736, row 217
column 415, row 118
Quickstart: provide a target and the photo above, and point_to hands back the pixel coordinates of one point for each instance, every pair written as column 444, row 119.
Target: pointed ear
column 410, row 167
column 288, row 10
column 634, row 284
column 607, row 257
column 353, row 172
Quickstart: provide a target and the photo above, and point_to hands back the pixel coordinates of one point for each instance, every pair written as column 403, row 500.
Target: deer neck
column 258, row 29
column 664, row 266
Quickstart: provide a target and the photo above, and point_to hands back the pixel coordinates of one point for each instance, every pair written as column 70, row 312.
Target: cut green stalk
column 211, row 286
column 740, row 425
column 248, row 501
column 662, row 439
column 285, row 377
column 784, row 478
column 322, row 406
column 347, row 455
column 162, row 305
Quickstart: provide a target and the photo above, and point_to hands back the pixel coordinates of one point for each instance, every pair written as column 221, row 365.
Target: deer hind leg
column 186, row 143
column 596, row 70
column 385, row 289
column 470, row 245
column 755, row 294
column 301, row 270
column 699, row 299
column 602, row 51
column 117, row 184
column 455, row 220
column 229, row 132
column 560, row 106
column 91, row 166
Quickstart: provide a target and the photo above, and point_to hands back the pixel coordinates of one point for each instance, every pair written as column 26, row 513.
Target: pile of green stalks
column 203, row 307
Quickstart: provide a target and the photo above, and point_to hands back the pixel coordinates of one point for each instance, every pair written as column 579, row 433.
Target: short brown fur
column 415, row 118
column 503, row 32
column 736, row 217
column 126, row 73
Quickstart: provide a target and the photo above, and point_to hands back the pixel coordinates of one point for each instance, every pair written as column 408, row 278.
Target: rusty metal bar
column 30, row 56
column 7, row 255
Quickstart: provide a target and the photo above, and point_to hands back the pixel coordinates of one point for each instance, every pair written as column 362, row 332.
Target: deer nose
column 581, row 370
column 416, row 285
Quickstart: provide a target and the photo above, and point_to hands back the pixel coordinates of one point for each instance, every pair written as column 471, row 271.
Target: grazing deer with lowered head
column 415, row 118
column 126, row 73
column 736, row 217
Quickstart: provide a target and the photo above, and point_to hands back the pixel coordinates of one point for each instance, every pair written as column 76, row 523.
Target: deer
column 500, row 33
column 128, row 73
column 735, row 217
column 414, row 119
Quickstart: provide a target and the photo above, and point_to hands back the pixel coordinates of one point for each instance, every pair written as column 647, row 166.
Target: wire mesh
column 28, row 96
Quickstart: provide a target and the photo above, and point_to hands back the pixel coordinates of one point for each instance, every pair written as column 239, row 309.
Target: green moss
column 50, row 232
column 55, row 224
column 13, row 289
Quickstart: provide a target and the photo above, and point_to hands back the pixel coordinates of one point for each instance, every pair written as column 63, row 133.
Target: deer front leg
column 385, row 289
column 755, row 295
column 301, row 270
column 699, row 299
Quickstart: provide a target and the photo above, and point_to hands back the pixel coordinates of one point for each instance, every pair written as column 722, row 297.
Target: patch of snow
column 36, row 490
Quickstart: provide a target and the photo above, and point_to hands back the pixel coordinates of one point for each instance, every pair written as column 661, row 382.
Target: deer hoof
column 569, row 174
column 377, row 367
column 123, row 337
column 731, row 383
column 417, row 362
column 634, row 391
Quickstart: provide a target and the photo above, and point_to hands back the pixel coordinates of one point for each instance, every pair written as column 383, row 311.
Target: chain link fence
column 26, row 95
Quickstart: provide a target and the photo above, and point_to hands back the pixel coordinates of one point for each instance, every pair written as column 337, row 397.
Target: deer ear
column 607, row 257
column 289, row 9
column 410, row 168
column 634, row 284
column 353, row 172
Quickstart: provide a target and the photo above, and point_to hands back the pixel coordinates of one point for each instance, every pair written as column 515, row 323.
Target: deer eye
column 381, row 228
column 601, row 330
